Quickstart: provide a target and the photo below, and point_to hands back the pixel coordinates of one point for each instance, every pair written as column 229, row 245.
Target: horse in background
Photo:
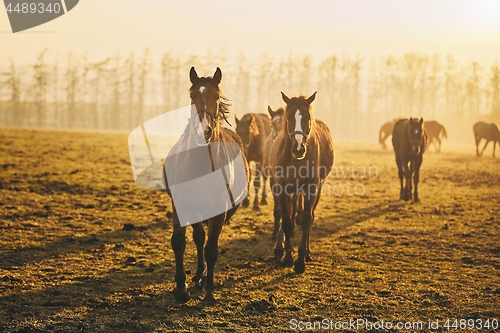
column 276, row 126
column 489, row 132
column 409, row 141
column 435, row 132
column 253, row 130
column 304, row 145
column 214, row 146
column 386, row 131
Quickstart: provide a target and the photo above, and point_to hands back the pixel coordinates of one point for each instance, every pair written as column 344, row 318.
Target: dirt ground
column 84, row 249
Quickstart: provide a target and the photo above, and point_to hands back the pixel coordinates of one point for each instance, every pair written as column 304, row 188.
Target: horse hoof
column 416, row 200
column 299, row 267
column 200, row 282
column 256, row 208
column 181, row 296
column 288, row 261
column 263, row 202
column 209, row 299
column 245, row 203
column 308, row 258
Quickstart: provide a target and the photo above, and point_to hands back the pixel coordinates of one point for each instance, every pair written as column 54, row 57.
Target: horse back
column 486, row 131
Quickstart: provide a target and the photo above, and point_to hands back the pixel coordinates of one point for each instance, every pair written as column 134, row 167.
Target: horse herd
column 292, row 149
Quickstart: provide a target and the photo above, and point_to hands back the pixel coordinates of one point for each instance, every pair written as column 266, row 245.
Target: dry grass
column 68, row 265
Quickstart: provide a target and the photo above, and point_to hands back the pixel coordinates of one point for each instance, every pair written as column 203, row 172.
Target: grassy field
column 83, row 249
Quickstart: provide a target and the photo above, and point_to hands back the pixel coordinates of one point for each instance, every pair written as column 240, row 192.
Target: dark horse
column 409, row 141
column 301, row 157
column 205, row 145
column 297, row 201
column 433, row 129
column 253, row 130
column 489, row 132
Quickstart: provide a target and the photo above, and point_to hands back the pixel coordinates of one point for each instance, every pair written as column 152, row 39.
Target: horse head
column 276, row 120
column 416, row 136
column 247, row 129
column 299, row 123
column 206, row 104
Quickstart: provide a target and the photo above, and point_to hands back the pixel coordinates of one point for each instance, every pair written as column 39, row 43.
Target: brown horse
column 276, row 126
column 205, row 147
column 435, row 132
column 489, row 132
column 253, row 130
column 301, row 157
column 409, row 141
column 385, row 132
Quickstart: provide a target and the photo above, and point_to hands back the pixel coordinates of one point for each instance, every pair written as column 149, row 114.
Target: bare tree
column 41, row 77
column 15, row 112
column 495, row 90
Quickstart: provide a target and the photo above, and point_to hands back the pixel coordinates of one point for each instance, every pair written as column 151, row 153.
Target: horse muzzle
column 415, row 149
column 299, row 153
column 204, row 140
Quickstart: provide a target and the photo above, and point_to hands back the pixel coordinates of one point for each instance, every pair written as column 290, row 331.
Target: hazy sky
column 470, row 30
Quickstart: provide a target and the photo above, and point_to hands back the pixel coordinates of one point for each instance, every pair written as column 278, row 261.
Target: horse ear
column 421, row 121
column 285, row 98
column 237, row 120
column 193, row 76
column 217, row 76
column 311, row 98
column 411, row 119
column 270, row 111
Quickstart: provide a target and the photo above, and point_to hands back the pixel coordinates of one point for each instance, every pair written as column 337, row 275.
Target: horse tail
column 443, row 130
column 380, row 135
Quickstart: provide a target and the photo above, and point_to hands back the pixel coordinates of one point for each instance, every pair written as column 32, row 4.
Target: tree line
column 355, row 94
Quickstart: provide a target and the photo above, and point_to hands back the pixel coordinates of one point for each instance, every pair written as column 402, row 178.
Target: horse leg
column 276, row 212
column 482, row 151
column 263, row 200
column 400, row 174
column 416, row 176
column 246, row 202
column 256, row 184
column 178, row 242
column 298, row 208
column 407, row 177
column 308, row 257
column 439, row 141
column 287, row 227
column 494, row 147
column 478, row 140
column 306, row 225
column 278, row 232
column 211, row 253
column 199, row 240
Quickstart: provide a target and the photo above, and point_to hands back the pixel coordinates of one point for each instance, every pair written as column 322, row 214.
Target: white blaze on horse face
column 204, row 120
column 298, row 122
